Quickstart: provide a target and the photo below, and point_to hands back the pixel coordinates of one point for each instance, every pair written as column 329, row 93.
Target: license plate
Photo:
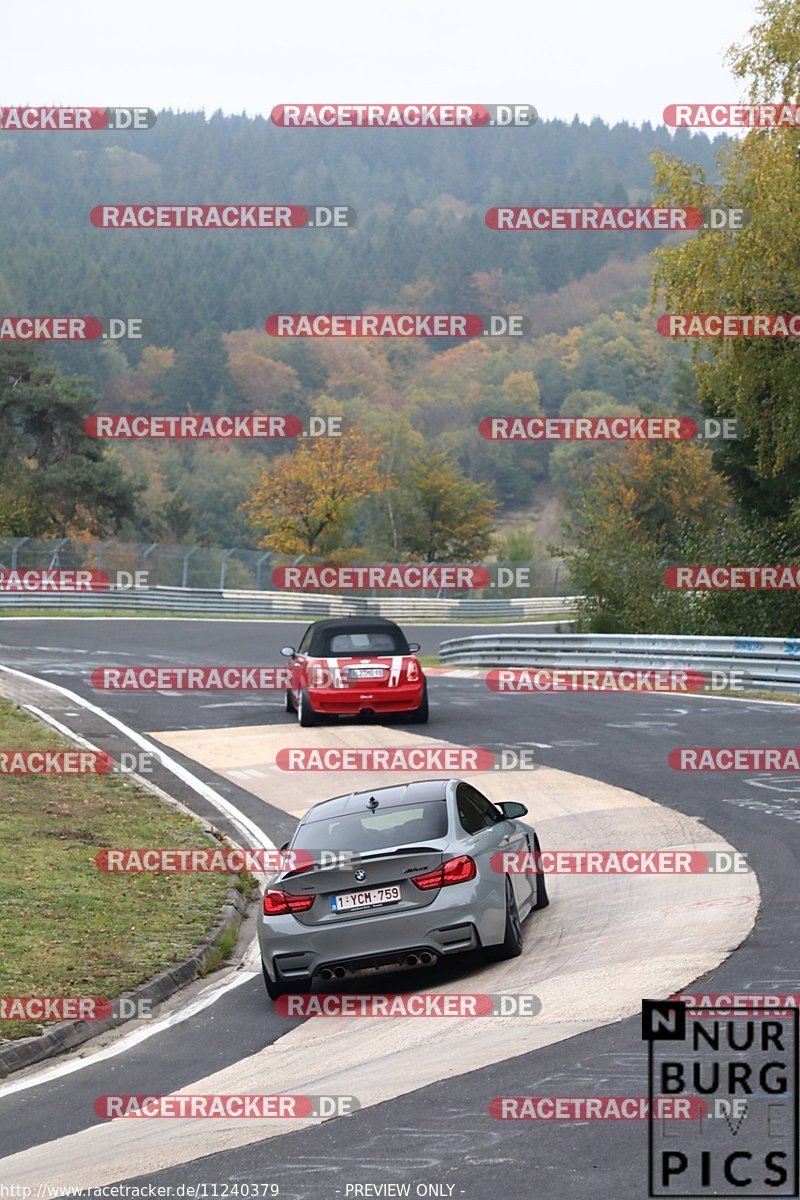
column 366, row 672
column 368, row 899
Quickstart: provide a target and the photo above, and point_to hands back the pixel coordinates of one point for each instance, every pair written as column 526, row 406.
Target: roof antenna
column 372, row 804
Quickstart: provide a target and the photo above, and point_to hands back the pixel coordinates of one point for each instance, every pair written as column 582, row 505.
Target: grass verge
column 67, row 928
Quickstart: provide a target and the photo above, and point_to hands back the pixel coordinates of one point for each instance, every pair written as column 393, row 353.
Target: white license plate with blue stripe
column 370, row 898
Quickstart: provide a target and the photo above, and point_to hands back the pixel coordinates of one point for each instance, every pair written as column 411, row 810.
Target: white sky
column 620, row 60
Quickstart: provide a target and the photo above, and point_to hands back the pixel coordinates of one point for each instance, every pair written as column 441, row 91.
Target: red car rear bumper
column 352, row 700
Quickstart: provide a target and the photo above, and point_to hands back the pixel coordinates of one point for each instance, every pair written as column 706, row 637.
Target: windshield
column 344, row 643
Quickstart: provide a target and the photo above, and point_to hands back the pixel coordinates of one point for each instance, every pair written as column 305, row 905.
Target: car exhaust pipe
column 326, row 974
column 426, row 958
column 412, row 960
column 340, row 972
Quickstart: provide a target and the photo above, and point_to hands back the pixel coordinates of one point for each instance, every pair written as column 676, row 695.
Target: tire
column 289, row 702
column 305, row 713
column 276, row 989
column 542, row 898
column 419, row 716
column 511, row 945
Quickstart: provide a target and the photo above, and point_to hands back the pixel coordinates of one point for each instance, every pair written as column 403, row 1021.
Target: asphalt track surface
column 441, row 1133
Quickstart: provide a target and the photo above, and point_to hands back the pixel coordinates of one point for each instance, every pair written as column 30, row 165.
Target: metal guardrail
column 198, row 601
column 766, row 663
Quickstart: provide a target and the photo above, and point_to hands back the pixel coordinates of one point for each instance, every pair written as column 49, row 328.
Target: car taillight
column 278, row 903
column 412, row 673
column 455, row 870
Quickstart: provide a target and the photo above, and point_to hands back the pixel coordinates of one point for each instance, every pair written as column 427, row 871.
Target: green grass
column 67, row 928
column 220, row 951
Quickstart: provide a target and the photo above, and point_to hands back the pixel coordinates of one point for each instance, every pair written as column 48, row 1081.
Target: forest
column 420, row 244
column 410, row 408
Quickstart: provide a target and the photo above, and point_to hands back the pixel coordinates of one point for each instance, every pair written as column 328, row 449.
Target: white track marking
column 241, row 974
column 242, row 822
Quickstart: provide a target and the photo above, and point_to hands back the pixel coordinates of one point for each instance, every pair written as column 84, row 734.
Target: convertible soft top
column 326, row 634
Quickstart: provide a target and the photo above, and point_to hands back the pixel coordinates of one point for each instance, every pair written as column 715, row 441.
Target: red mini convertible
column 353, row 665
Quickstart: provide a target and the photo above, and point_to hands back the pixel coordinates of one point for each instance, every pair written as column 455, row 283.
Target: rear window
column 355, row 642
column 411, row 825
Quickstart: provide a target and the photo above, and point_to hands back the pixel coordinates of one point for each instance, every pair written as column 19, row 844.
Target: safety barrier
column 765, row 663
column 198, row 601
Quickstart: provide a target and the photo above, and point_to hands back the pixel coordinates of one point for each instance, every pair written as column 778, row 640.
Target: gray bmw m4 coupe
column 420, row 885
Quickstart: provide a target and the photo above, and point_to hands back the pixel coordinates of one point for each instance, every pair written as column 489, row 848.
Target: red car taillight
column 455, row 870
column 412, row 671
column 319, row 676
column 278, row 903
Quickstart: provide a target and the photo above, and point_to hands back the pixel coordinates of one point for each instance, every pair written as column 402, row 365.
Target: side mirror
column 287, row 651
column 510, row 810
column 414, row 647
column 285, row 846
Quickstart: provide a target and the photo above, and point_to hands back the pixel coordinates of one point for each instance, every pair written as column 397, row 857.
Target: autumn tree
column 665, row 485
column 631, row 519
column 302, row 502
column 754, row 270
column 448, row 518
column 380, row 519
column 573, row 463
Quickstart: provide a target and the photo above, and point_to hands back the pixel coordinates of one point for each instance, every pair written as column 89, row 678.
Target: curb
column 67, row 1034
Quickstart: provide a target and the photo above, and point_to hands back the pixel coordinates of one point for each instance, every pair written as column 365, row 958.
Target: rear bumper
column 352, row 700
column 295, row 952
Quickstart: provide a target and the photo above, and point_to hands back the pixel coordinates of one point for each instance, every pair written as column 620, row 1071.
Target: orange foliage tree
column 302, row 502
